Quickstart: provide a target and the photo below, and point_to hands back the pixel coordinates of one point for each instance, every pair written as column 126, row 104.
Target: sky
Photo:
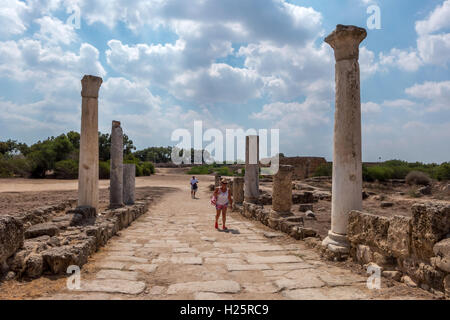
column 233, row 64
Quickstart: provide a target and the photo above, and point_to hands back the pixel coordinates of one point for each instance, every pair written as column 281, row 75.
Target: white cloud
column 435, row 49
column 368, row 65
column 54, row 31
column 11, row 18
column 435, row 95
column 370, row 107
column 406, row 60
column 437, row 20
column 29, row 60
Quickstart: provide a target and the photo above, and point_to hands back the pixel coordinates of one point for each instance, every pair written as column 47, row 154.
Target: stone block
column 368, row 229
column 399, row 236
column 303, row 197
column 363, row 254
column 447, row 286
column 304, row 207
column 442, row 252
column 430, row 224
column 85, row 211
column 11, row 237
column 48, row 229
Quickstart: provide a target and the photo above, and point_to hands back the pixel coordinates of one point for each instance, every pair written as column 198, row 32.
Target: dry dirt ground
column 174, row 252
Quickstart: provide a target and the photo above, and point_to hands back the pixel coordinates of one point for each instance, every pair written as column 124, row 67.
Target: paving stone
column 111, row 265
column 292, row 266
column 223, row 261
column 184, row 250
column 114, row 286
column 247, row 267
column 128, row 259
column 272, row 259
column 187, row 260
column 117, row 274
column 256, row 248
column 82, row 296
column 157, row 291
column 147, row 268
column 208, row 239
column 265, row 288
column 121, row 253
column 206, row 296
column 272, row 235
column 305, row 282
column 332, row 279
column 274, row 273
column 337, row 293
column 217, row 286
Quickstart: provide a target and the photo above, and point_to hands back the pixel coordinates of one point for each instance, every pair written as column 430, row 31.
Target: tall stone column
column 282, row 189
column 347, row 166
column 238, row 190
column 88, row 165
column 129, row 183
column 116, row 171
column 251, row 188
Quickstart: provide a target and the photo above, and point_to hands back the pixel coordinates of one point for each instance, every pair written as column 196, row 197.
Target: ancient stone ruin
column 116, row 171
column 89, row 157
column 347, row 163
column 50, row 239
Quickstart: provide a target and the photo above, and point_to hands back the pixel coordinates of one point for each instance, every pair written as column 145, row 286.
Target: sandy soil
column 22, row 195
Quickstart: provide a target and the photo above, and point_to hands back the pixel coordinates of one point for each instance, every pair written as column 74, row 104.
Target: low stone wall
column 12, row 228
column 413, row 249
column 69, row 239
column 304, row 167
column 291, row 225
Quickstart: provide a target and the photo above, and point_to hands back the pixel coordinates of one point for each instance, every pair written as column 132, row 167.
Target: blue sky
column 233, row 64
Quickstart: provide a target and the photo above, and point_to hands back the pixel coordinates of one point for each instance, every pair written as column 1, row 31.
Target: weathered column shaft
column 116, row 170
column 129, row 183
column 217, row 180
column 88, row 164
column 251, row 188
column 282, row 189
column 347, row 165
column 238, row 190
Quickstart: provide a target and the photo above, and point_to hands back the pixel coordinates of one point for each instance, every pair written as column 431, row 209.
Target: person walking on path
column 194, row 187
column 222, row 199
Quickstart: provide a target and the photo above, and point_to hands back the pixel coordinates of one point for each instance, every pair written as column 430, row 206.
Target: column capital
column 90, row 86
column 116, row 124
column 345, row 41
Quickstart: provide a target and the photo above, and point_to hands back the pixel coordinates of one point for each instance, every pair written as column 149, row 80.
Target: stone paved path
column 173, row 252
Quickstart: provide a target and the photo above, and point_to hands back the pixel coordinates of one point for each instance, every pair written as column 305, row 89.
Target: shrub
column 443, row 172
column 198, row 170
column 5, row 168
column 103, row 169
column 66, row 169
column 148, row 168
column 139, row 170
column 225, row 172
column 418, row 178
column 379, row 173
column 324, row 170
column 14, row 166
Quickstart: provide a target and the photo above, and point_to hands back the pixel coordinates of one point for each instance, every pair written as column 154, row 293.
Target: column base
column 116, row 206
column 336, row 243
